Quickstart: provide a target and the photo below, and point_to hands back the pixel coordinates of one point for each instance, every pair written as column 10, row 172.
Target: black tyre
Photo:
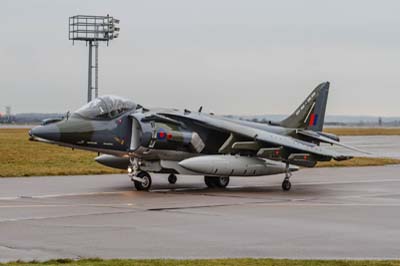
column 143, row 186
column 172, row 179
column 213, row 181
column 222, row 181
column 210, row 181
column 286, row 185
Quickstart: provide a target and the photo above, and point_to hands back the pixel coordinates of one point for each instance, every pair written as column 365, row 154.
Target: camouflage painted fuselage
column 159, row 138
column 162, row 138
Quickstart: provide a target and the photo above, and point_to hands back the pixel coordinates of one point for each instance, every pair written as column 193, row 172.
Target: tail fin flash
column 311, row 113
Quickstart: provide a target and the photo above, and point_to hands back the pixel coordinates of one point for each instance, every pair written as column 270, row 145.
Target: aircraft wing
column 259, row 135
column 321, row 138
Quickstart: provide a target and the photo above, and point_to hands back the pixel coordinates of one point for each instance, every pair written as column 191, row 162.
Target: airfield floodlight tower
column 92, row 30
column 8, row 114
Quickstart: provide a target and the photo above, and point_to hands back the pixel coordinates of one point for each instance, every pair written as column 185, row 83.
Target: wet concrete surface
column 340, row 213
column 385, row 146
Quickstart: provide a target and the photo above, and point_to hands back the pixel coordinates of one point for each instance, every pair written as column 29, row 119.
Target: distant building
column 7, row 117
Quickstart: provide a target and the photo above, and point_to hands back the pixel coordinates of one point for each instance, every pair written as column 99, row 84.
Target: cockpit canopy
column 106, row 107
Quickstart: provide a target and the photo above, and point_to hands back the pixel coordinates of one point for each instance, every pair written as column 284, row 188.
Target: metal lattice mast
column 96, row 69
column 93, row 30
column 89, row 98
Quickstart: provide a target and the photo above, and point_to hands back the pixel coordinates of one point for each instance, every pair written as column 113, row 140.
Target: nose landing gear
column 141, row 179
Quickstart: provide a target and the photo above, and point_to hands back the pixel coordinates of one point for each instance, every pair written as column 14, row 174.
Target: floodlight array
column 93, row 28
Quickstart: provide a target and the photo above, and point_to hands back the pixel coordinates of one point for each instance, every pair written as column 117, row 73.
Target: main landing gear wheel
column 213, row 181
column 209, row 181
column 172, row 179
column 145, row 181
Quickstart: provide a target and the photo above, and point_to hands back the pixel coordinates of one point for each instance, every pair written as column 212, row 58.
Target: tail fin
column 311, row 113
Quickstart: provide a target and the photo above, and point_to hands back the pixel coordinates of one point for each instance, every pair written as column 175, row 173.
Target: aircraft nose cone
column 48, row 132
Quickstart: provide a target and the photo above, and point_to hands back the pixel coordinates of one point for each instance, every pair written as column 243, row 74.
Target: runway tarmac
column 344, row 213
column 384, row 146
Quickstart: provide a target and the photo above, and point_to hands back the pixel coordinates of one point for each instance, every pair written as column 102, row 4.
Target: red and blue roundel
column 161, row 135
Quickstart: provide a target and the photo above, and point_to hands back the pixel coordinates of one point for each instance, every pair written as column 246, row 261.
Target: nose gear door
column 135, row 135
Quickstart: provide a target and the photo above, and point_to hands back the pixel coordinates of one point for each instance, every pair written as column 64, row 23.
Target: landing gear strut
column 215, row 181
column 286, row 185
column 141, row 179
column 172, row 179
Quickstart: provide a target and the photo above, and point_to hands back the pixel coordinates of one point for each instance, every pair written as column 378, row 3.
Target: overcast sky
column 233, row 57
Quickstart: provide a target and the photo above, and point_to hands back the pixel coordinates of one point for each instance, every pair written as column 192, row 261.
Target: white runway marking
column 19, row 219
column 65, row 195
column 66, row 205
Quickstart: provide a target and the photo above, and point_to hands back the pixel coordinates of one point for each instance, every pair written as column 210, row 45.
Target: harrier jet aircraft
column 171, row 141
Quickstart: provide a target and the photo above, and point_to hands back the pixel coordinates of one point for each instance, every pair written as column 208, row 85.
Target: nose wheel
column 142, row 181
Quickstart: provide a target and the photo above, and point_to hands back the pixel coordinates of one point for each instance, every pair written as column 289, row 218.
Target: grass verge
column 363, row 131
column 356, row 162
column 21, row 157
column 211, row 262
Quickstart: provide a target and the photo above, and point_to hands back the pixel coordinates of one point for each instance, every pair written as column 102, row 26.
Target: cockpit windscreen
column 106, row 107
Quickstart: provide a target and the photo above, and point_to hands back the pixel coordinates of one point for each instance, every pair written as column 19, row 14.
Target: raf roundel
column 161, row 135
column 169, row 136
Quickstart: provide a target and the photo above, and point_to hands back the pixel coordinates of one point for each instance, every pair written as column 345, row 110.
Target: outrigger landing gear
column 141, row 179
column 286, row 185
column 172, row 179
